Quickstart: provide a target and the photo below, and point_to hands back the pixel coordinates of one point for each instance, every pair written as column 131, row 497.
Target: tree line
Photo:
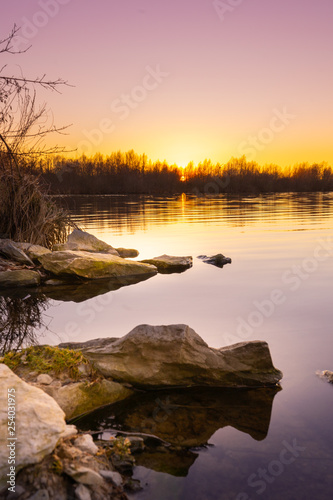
column 131, row 173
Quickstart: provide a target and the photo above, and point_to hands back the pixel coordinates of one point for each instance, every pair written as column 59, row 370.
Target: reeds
column 28, row 213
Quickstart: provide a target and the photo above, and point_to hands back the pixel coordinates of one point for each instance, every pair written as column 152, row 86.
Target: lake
column 240, row 445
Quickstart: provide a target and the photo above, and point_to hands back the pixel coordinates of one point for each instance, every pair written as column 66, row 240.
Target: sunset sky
column 184, row 80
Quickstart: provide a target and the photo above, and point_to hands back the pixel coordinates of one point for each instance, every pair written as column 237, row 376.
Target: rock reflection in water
column 79, row 291
column 185, row 418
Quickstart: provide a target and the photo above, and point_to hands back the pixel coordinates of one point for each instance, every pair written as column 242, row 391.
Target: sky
column 183, row 80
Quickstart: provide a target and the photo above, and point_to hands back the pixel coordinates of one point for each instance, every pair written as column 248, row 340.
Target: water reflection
column 20, row 316
column 126, row 213
column 186, row 419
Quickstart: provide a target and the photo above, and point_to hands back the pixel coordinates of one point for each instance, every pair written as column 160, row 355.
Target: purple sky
column 255, row 80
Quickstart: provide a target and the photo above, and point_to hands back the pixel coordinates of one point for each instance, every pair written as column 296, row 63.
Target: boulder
column 40, row 422
column 9, row 249
column 32, row 251
column 81, row 240
column 175, row 355
column 19, row 277
column 81, row 397
column 167, row 264
column 127, row 252
column 217, row 260
column 92, row 265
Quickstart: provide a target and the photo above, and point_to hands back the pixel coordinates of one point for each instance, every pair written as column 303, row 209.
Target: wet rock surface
column 175, row 355
column 218, row 260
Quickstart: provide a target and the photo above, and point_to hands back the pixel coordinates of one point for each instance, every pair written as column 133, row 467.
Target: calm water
column 269, row 446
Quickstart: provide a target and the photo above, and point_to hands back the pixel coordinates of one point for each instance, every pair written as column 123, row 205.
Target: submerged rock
column 175, row 355
column 170, row 264
column 19, row 277
column 40, row 422
column 81, row 240
column 92, row 265
column 218, row 260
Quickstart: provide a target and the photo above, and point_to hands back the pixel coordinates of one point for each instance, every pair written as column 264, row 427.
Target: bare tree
column 26, row 212
column 22, row 124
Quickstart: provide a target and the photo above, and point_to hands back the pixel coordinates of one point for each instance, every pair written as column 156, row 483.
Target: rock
column 19, row 490
column 81, row 240
column 82, row 492
column 70, row 431
column 112, row 477
column 86, row 443
column 9, row 249
column 327, row 375
column 170, row 264
column 82, row 397
column 175, row 355
column 44, row 379
column 40, row 422
column 19, row 277
column 93, row 265
column 32, row 251
column 40, row 495
column 217, row 260
column 53, row 282
column 84, row 475
column 137, row 444
column 127, row 252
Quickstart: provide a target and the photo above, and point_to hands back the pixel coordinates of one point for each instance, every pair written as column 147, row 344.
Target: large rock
column 40, row 423
column 32, row 251
column 175, row 355
column 81, row 240
column 92, row 265
column 9, row 249
column 19, row 277
column 167, row 264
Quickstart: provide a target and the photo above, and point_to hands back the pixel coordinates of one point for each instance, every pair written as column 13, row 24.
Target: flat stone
column 19, row 277
column 45, row 379
column 84, row 475
column 112, row 477
column 86, row 443
column 93, row 265
column 170, row 264
column 175, row 355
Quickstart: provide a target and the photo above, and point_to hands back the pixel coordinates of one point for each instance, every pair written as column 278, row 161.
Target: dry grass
column 27, row 213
